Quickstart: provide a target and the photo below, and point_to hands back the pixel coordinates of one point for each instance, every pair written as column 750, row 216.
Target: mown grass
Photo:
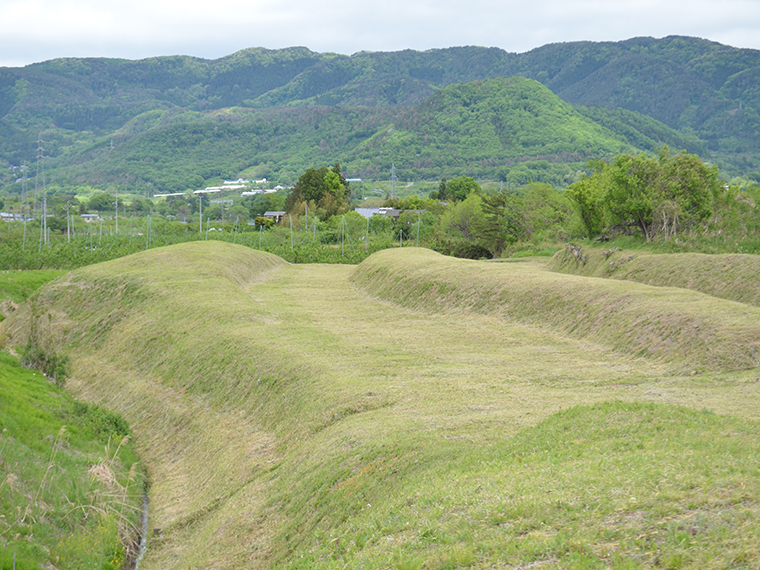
column 727, row 276
column 673, row 325
column 439, row 415
column 613, row 485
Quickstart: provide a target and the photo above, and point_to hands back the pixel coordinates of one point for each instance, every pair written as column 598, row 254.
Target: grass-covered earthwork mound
column 673, row 325
column 417, row 411
column 727, row 276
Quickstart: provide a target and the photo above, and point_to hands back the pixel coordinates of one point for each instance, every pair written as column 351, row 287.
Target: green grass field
column 419, row 412
column 17, row 286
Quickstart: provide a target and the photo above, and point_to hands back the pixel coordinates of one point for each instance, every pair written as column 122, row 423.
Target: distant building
column 276, row 216
column 390, row 212
column 259, row 191
column 368, row 212
column 226, row 187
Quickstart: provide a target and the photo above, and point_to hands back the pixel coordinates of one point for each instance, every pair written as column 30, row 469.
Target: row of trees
column 659, row 196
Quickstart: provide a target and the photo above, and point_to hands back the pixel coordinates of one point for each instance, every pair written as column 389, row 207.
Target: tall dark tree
column 502, row 222
column 327, row 189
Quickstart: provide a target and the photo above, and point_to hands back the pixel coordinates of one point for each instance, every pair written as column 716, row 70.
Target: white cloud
column 32, row 30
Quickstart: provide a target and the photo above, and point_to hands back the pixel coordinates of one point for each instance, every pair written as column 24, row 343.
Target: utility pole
column 24, row 194
column 393, row 180
column 40, row 170
column 200, row 213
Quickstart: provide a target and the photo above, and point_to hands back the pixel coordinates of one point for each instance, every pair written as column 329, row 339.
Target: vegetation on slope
column 275, row 112
column 289, row 419
column 163, row 337
column 489, row 128
column 70, row 486
column 677, row 326
column 63, row 499
column 728, row 276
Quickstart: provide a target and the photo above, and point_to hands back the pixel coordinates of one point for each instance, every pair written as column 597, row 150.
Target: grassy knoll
column 728, row 276
column 315, row 416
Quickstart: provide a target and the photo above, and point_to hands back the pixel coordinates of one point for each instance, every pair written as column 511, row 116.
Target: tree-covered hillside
column 514, row 130
column 684, row 92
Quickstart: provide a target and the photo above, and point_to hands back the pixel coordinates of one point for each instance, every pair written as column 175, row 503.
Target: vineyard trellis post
column 291, row 233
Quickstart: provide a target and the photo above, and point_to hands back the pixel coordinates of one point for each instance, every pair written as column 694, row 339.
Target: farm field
column 418, row 411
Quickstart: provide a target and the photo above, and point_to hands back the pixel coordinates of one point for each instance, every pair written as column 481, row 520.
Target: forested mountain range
column 169, row 123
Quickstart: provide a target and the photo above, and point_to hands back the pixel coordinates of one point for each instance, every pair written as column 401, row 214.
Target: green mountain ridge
column 511, row 129
column 685, row 92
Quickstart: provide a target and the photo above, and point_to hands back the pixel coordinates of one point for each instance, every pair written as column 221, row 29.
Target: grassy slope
column 53, row 509
column 729, row 276
column 672, row 325
column 290, row 419
column 18, row 286
column 49, row 502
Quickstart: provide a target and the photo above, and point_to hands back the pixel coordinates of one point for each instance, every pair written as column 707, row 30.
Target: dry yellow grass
column 282, row 410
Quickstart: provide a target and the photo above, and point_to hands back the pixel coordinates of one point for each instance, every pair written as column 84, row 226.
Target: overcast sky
column 38, row 30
